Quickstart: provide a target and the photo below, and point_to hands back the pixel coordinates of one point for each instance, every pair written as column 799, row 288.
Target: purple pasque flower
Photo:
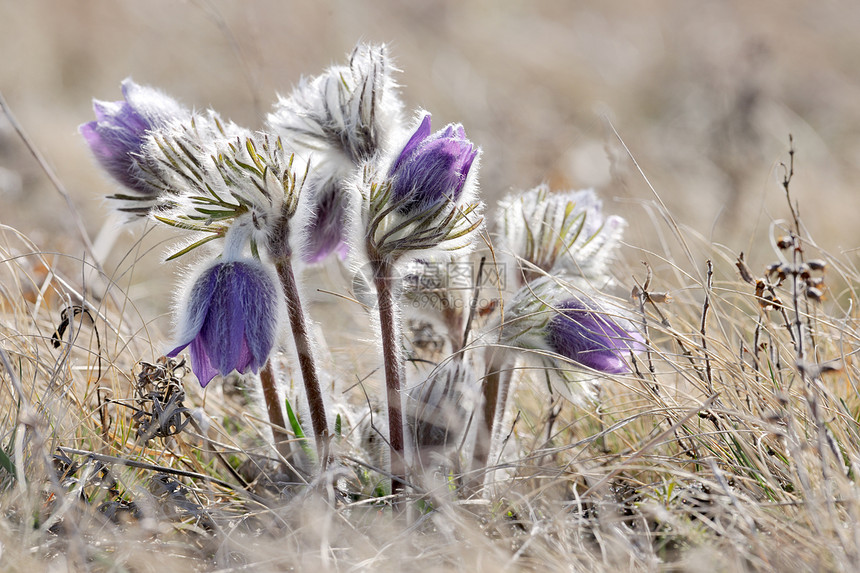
column 326, row 225
column 229, row 319
column 587, row 336
column 431, row 168
column 118, row 134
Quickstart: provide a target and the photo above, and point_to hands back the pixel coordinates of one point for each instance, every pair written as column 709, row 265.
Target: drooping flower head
column 588, row 336
column 229, row 318
column 326, row 223
column 343, row 117
column 432, row 168
column 118, row 134
column 560, row 233
column 587, row 330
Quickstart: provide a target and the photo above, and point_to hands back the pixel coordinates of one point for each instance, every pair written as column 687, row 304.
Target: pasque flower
column 414, row 201
column 325, row 226
column 421, row 199
column 118, row 135
column 561, row 233
column 586, row 335
column 341, row 118
column 230, row 319
column 591, row 331
column 431, row 169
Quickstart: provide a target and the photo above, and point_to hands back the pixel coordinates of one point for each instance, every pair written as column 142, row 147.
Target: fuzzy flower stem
column 392, row 362
column 282, row 255
column 274, row 410
column 305, row 354
column 495, row 392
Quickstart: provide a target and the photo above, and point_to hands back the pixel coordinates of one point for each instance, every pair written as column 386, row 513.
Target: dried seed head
column 817, row 265
column 744, row 270
column 814, row 293
column 660, row 297
column 786, row 242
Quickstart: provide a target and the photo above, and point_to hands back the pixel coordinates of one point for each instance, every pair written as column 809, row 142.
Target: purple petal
column 178, row 349
column 259, row 300
column 231, row 319
column 199, row 300
column 433, row 169
column 200, row 363
column 246, row 359
column 118, row 134
column 325, row 232
column 422, row 133
column 224, row 328
column 93, row 139
column 584, row 335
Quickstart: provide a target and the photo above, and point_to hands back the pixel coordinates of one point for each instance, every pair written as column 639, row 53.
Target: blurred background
column 704, row 94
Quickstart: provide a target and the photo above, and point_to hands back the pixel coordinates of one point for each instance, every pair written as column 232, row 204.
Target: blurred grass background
column 703, row 93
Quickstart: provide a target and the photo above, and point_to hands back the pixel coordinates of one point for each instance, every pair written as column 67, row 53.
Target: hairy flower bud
column 589, row 330
column 561, row 233
column 589, row 337
column 325, row 228
column 229, row 319
column 118, row 134
column 338, row 120
column 345, row 115
column 431, row 169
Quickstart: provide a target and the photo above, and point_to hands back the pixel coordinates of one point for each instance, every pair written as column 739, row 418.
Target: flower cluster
column 342, row 118
column 325, row 175
column 336, row 170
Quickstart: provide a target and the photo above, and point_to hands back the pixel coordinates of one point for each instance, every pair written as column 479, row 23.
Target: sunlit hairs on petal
column 117, row 137
column 229, row 317
column 343, row 117
column 561, row 233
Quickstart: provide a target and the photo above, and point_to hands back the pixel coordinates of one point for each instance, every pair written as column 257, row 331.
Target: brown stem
column 305, row 354
column 392, row 364
column 274, row 410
